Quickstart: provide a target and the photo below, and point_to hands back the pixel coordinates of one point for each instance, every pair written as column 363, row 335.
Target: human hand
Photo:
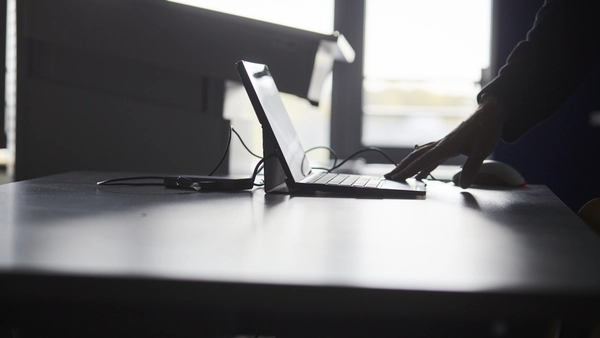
column 476, row 138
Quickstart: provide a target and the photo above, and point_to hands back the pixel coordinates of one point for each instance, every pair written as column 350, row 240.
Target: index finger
column 418, row 152
column 432, row 157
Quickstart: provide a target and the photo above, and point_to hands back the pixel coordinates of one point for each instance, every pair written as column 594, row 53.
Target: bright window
column 423, row 63
column 311, row 15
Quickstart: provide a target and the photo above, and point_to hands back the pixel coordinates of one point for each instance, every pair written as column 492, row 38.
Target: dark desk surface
column 477, row 253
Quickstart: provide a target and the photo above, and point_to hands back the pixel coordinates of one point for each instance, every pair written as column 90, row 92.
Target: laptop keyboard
column 346, row 180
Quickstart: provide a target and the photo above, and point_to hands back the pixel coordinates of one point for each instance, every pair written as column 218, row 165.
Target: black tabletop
column 475, row 252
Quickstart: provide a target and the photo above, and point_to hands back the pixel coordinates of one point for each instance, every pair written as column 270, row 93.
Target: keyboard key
column 349, row 181
column 373, row 182
column 325, row 178
column 361, row 181
column 337, row 180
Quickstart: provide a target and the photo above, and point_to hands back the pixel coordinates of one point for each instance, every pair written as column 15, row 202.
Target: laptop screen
column 267, row 102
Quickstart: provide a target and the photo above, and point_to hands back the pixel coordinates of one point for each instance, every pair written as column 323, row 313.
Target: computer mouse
column 495, row 173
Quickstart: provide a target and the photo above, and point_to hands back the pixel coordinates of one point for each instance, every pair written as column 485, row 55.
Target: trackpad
column 410, row 184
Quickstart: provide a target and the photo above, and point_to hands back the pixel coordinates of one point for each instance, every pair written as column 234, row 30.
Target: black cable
column 331, row 151
column 123, row 179
column 257, row 168
column 262, row 182
column 375, row 149
column 115, row 181
column 360, row 152
column 225, row 152
column 320, row 168
column 260, row 166
column 244, row 144
column 335, row 156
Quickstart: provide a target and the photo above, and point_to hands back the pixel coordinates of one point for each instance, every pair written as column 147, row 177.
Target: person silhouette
column 539, row 76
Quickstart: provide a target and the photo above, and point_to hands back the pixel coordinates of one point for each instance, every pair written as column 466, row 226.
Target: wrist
column 493, row 106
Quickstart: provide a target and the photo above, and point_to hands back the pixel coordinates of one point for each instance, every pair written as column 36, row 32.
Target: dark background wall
column 137, row 85
column 107, row 86
column 564, row 151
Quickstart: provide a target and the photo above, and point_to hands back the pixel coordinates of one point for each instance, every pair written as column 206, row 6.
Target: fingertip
column 391, row 174
column 470, row 170
column 421, row 176
column 395, row 177
column 464, row 182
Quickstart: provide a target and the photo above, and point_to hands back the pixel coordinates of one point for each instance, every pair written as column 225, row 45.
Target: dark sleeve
column 543, row 71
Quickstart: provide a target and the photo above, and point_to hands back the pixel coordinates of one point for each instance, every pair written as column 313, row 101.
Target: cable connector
column 185, row 182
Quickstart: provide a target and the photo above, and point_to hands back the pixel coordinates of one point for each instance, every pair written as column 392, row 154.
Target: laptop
column 298, row 176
